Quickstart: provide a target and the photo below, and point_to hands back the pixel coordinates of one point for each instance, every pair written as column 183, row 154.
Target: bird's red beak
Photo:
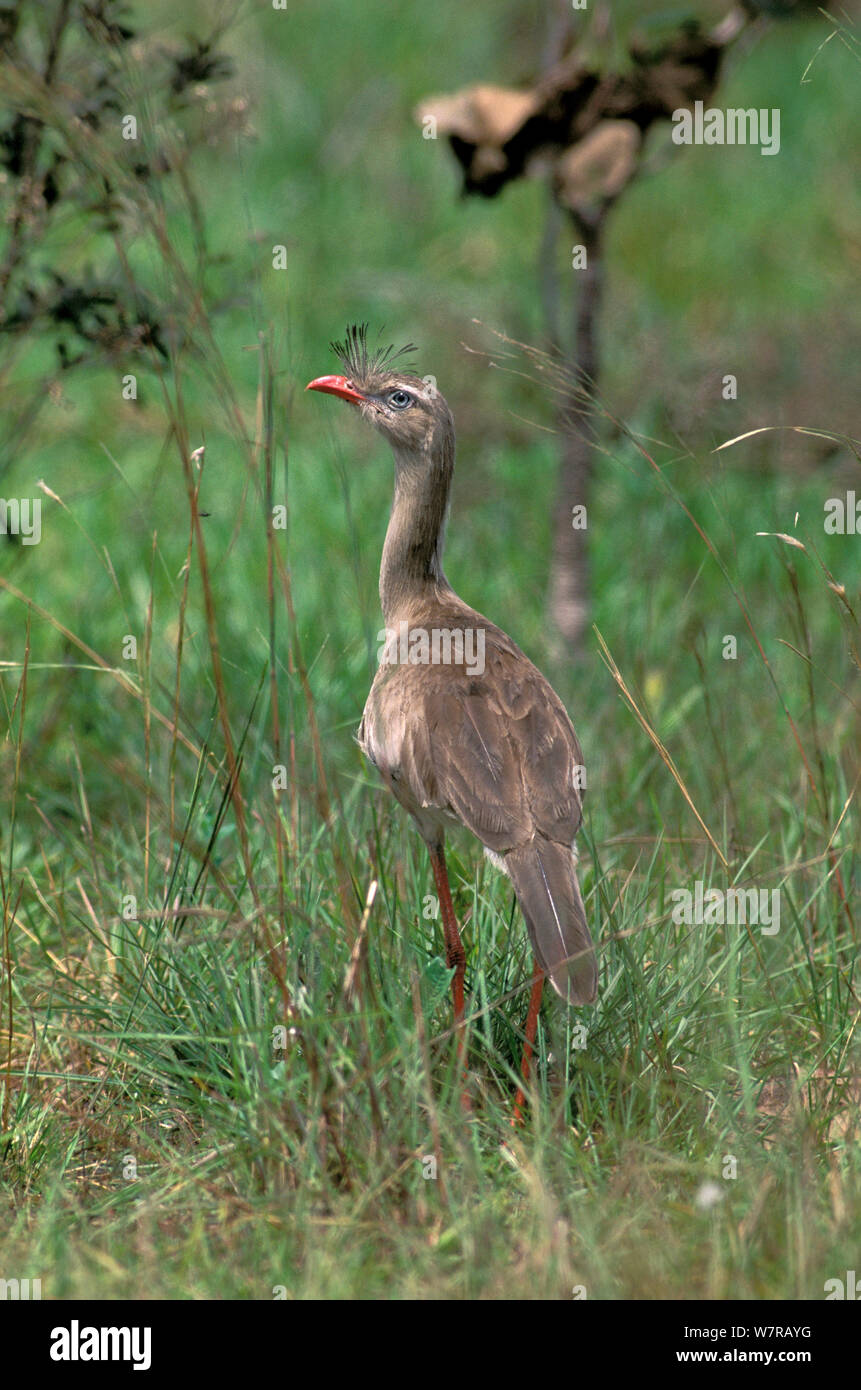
column 336, row 386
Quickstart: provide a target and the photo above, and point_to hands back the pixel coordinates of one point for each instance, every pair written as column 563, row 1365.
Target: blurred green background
column 721, row 260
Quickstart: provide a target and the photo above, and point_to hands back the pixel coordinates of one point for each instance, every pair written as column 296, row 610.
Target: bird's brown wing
column 497, row 751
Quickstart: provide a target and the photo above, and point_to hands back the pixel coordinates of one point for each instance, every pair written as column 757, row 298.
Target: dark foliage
column 76, row 54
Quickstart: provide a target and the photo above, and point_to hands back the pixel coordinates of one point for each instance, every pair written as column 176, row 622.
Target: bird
column 460, row 724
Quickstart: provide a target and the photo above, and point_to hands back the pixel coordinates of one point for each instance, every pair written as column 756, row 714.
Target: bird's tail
column 545, row 881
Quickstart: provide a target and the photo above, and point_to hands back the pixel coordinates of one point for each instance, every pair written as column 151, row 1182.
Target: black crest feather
column 358, row 360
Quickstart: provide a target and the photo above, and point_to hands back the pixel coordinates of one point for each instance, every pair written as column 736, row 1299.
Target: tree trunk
column 569, row 578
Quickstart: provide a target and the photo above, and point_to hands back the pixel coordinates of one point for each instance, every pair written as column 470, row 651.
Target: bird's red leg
column 454, row 952
column 531, row 1028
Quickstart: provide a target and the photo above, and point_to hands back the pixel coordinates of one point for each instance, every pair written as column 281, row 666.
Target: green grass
column 194, row 1102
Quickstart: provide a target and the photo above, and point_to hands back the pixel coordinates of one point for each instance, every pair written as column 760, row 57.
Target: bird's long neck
column 411, row 568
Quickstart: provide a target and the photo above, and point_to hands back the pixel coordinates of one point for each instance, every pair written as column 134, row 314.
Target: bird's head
column 406, row 408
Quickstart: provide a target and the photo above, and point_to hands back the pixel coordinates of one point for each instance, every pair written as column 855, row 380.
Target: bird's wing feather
column 496, row 750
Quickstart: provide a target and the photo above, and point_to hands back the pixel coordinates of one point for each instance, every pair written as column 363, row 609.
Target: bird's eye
column 400, row 399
